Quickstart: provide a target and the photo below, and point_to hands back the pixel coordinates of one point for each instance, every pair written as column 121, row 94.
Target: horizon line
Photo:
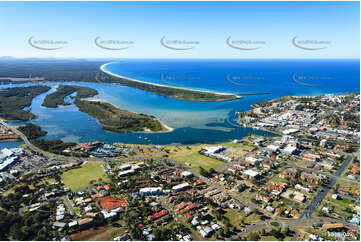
column 167, row 58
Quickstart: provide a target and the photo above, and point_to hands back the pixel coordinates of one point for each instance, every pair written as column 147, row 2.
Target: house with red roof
column 106, row 187
column 279, row 211
column 188, row 208
column 276, row 186
column 158, row 215
column 109, row 203
column 188, row 215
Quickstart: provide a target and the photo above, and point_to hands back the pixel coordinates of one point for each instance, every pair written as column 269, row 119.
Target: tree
column 203, row 172
column 287, row 231
column 253, row 236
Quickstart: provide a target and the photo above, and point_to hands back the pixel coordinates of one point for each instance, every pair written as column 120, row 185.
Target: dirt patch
column 85, row 234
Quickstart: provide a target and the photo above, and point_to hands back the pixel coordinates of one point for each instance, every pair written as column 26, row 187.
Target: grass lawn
column 268, row 238
column 276, row 178
column 80, row 178
column 235, row 217
column 12, row 190
column 339, row 205
column 348, row 185
column 241, row 146
column 191, row 155
column 45, row 180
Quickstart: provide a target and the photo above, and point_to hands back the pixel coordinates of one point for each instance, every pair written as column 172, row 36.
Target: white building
column 181, row 187
column 290, row 131
column 213, row 149
column 125, row 167
column 273, row 148
column 151, row 191
column 252, row 160
column 126, row 172
column 72, row 224
column 8, row 157
column 186, row 174
column 251, row 173
column 290, row 149
column 107, row 214
column 299, row 187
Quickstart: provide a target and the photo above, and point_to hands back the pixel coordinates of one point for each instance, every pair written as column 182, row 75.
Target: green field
column 80, row 178
column 236, row 217
column 195, row 159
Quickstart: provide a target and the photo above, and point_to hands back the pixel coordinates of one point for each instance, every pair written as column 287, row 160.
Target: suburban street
column 305, row 219
column 68, row 204
column 163, row 201
column 325, row 190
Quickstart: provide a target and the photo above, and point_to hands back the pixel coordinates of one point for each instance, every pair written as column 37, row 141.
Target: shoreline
column 102, row 68
column 165, row 126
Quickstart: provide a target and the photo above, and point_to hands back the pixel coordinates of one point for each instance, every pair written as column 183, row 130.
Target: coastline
column 165, row 126
column 102, row 68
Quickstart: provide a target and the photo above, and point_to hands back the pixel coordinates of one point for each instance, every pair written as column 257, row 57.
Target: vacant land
column 81, row 177
column 113, row 119
column 189, row 154
column 235, row 217
column 14, row 100
column 106, row 233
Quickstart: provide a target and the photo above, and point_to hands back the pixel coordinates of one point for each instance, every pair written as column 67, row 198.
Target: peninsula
column 113, row 119
column 163, row 90
column 110, row 117
column 55, row 99
column 14, row 100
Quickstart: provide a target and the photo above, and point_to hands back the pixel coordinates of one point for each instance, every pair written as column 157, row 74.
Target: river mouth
column 194, row 122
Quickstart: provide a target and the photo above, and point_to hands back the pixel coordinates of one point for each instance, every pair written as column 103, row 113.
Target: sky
column 189, row 29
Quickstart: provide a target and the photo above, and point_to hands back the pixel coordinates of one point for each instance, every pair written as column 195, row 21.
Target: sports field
column 80, row 178
column 190, row 155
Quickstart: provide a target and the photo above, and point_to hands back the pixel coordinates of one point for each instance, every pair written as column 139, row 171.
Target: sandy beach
column 102, row 68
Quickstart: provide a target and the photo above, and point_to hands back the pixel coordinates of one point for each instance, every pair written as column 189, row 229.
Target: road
column 305, row 219
column 332, row 176
column 311, row 208
column 68, row 204
column 163, row 201
column 290, row 222
column 217, row 186
column 27, row 142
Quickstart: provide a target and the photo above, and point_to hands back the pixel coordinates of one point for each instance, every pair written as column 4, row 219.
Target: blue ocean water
column 282, row 77
column 195, row 122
